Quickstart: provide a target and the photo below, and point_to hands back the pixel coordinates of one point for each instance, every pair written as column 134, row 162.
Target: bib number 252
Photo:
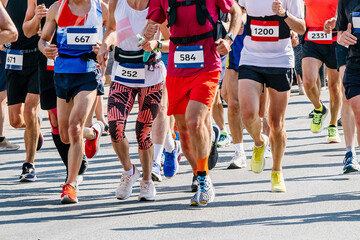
column 129, row 73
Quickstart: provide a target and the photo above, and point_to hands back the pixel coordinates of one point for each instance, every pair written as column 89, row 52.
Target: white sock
column 158, row 149
column 131, row 171
column 169, row 143
column 350, row 149
column 239, row 147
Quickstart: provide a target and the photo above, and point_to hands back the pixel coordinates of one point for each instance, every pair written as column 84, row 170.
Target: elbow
column 14, row 35
column 27, row 33
column 302, row 30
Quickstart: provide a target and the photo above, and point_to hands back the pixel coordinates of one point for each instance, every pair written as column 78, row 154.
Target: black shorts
column 341, row 55
column 68, row 85
column 47, row 88
column 20, row 83
column 351, row 83
column 322, row 52
column 279, row 79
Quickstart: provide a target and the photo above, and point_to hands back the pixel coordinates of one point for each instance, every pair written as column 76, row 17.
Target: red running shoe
column 93, row 146
column 68, row 194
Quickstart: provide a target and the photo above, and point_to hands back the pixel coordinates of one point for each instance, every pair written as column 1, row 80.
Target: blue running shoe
column 350, row 163
column 28, row 173
column 156, row 172
column 171, row 164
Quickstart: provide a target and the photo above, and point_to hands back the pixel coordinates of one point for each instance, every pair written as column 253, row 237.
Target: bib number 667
column 82, row 39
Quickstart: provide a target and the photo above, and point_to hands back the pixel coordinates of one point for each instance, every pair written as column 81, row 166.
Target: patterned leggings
column 121, row 101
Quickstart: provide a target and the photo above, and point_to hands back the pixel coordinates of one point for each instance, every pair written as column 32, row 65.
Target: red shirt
column 318, row 11
column 187, row 25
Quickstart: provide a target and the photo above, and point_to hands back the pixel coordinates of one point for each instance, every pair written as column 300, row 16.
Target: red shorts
column 201, row 88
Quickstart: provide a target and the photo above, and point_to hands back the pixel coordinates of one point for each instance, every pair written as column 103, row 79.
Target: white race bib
column 80, row 38
column 50, row 64
column 356, row 21
column 14, row 60
column 130, row 73
column 189, row 57
column 264, row 31
column 319, row 36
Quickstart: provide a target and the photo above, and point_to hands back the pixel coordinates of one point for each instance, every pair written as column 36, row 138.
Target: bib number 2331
column 189, row 57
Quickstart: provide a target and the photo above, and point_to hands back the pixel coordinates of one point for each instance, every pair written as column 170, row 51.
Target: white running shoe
column 238, row 161
column 79, row 180
column 127, row 181
column 147, row 191
column 268, row 153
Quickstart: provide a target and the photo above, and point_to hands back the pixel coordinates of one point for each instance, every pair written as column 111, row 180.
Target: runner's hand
column 329, row 25
column 2, row 48
column 346, row 38
column 103, row 55
column 278, row 9
column 223, row 46
column 40, row 11
column 294, row 39
column 150, row 31
column 149, row 46
column 51, row 51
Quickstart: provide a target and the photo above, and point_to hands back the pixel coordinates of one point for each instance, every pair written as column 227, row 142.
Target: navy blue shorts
column 341, row 55
column 68, row 85
column 2, row 71
column 351, row 83
column 47, row 89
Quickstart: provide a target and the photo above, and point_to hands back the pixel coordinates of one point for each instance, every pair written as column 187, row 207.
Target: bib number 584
column 187, row 57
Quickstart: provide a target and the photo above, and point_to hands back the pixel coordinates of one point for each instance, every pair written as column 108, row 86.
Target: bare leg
column 335, row 86
column 2, row 112
column 311, row 68
column 218, row 111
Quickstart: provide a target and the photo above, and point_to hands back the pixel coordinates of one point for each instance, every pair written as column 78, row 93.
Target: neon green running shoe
column 277, row 182
column 258, row 157
column 318, row 120
column 333, row 134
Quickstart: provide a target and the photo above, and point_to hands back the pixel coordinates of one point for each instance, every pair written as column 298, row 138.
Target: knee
column 116, row 131
column 30, row 115
column 64, row 137
column 194, row 124
column 248, row 115
column 276, row 126
column 74, row 130
column 144, row 140
column 16, row 122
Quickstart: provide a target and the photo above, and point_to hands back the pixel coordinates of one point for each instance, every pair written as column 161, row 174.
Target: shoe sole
column 27, row 179
column 234, row 166
column 350, row 170
column 66, row 200
column 144, row 199
column 278, row 190
column 334, row 141
column 155, row 177
column 4, row 149
column 194, row 204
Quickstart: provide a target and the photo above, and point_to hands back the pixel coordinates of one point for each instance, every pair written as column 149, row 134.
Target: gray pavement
column 320, row 202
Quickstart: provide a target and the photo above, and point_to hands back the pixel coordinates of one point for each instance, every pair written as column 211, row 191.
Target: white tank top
column 129, row 23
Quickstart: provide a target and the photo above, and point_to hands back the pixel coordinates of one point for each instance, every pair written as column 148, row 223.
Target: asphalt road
column 320, row 202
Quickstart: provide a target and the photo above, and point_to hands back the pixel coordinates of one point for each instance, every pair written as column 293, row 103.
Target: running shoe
column 317, row 124
column 40, row 139
column 339, row 123
column 163, row 157
column 84, row 165
column 205, row 193
column 277, row 182
column 147, row 191
column 224, row 140
column 5, row 145
column 93, row 146
column 311, row 114
column 79, row 180
column 333, row 134
column 238, row 161
column 350, row 163
column 268, row 153
column 127, row 181
column 156, row 172
column 194, row 184
column 106, row 131
column 28, row 173
column 214, row 155
column 171, row 164
column 258, row 157
column 68, row 194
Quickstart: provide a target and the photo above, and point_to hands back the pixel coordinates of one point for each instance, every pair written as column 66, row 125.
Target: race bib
column 319, row 36
column 264, row 31
column 14, row 60
column 81, row 38
column 189, row 57
column 50, row 64
column 130, row 73
column 356, row 21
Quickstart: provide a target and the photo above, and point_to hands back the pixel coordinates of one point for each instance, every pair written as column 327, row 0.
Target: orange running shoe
column 68, row 194
column 93, row 146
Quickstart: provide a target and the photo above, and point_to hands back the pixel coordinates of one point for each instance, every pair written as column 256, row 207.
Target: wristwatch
column 286, row 15
column 232, row 38
column 159, row 46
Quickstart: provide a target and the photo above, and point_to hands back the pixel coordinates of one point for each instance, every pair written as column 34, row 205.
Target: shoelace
column 145, row 186
column 317, row 118
column 124, row 179
column 332, row 132
column 222, row 137
column 202, row 183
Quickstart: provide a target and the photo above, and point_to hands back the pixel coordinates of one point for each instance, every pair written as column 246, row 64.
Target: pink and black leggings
column 121, row 101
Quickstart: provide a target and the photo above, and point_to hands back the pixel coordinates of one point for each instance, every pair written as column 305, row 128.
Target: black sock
column 62, row 148
column 2, row 139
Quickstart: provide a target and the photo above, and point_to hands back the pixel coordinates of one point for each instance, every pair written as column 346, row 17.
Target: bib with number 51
column 130, row 73
column 189, row 57
column 81, row 38
column 14, row 60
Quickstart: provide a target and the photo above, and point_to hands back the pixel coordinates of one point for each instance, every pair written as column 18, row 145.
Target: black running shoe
column 28, row 173
column 84, row 166
column 311, row 114
column 214, row 155
column 339, row 123
column 194, row 184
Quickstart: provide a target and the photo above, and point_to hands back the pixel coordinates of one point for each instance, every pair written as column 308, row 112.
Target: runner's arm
column 49, row 50
column 294, row 23
column 8, row 31
column 149, row 46
column 110, row 34
column 33, row 17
